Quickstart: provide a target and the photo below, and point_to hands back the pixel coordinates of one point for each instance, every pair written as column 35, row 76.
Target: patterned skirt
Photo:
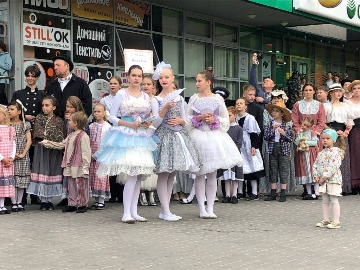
column 176, row 152
column 46, row 173
column 100, row 186
column 7, row 181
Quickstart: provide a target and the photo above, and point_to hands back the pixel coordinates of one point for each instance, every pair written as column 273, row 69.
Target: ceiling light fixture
column 252, row 16
column 284, row 23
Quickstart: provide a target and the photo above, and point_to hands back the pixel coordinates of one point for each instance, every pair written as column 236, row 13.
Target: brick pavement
column 250, row 235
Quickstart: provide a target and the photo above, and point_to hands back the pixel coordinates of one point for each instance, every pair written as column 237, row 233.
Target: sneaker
column 227, row 199
column 234, row 200
column 253, row 197
column 333, row 225
column 323, row 223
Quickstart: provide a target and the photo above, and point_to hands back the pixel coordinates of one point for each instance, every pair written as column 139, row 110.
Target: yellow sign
column 130, row 12
column 102, row 10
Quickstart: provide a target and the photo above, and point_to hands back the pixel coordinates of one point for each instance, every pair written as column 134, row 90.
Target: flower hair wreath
column 159, row 68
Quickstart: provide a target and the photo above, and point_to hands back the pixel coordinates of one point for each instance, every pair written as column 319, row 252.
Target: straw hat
column 335, row 86
column 282, row 107
column 351, row 86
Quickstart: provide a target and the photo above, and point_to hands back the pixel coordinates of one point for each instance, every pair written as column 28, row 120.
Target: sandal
column 185, row 201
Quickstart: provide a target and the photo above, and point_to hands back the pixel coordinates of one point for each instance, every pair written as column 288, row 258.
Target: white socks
column 192, row 194
column 241, row 186
column 200, row 194
column 100, row 200
column 326, row 200
column 254, row 187
column 211, row 188
column 2, row 202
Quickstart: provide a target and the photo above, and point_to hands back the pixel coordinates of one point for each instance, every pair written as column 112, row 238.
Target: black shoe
column 81, row 209
column 14, row 207
column 63, row 202
column 43, row 206
column 21, row 208
column 227, row 199
column 234, row 200
column 253, row 197
column 240, row 196
column 308, row 198
column 270, row 198
column 50, row 206
column 69, row 209
column 100, row 206
column 282, row 199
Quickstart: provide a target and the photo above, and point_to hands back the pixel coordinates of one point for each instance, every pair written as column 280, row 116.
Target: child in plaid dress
column 100, row 187
column 22, row 160
column 7, row 155
column 279, row 135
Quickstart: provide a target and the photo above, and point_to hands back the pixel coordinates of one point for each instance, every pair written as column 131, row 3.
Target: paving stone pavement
column 249, row 235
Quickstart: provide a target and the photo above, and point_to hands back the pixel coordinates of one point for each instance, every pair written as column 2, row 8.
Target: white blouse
column 355, row 108
column 341, row 114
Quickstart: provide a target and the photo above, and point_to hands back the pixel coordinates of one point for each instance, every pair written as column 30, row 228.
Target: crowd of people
column 153, row 144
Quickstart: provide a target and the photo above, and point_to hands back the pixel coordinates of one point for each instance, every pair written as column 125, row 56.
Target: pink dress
column 7, row 147
column 100, row 186
column 315, row 110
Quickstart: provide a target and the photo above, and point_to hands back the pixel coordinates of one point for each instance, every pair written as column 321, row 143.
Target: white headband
column 159, row 68
column 22, row 112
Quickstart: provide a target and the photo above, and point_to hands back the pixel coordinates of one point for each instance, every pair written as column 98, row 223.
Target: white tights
column 164, row 187
column 231, row 191
column 326, row 200
column 208, row 187
column 19, row 192
column 130, row 197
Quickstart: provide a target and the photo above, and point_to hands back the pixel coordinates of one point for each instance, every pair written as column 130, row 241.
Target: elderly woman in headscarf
column 277, row 96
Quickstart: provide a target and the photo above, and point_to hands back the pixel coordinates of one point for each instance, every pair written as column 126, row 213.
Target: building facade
column 190, row 35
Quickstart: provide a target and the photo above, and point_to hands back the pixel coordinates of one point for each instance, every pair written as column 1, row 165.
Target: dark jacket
column 259, row 91
column 75, row 87
column 30, row 100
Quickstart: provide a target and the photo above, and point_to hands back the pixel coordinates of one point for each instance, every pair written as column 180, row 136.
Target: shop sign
column 54, row 6
column 46, row 37
column 278, row 4
column 132, row 13
column 344, row 11
column 93, row 9
column 92, row 43
column 143, row 58
column 266, row 66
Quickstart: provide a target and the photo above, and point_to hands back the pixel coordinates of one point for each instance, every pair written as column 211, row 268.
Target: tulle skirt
column 127, row 151
column 217, row 150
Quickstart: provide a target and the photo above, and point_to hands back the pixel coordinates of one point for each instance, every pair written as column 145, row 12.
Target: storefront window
column 337, row 55
column 197, row 57
column 167, row 21
column 93, row 43
column 299, row 48
column 132, row 40
column 197, row 27
column 226, row 62
column 351, row 58
column 225, row 33
column 170, row 50
column 272, row 43
column 250, row 38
